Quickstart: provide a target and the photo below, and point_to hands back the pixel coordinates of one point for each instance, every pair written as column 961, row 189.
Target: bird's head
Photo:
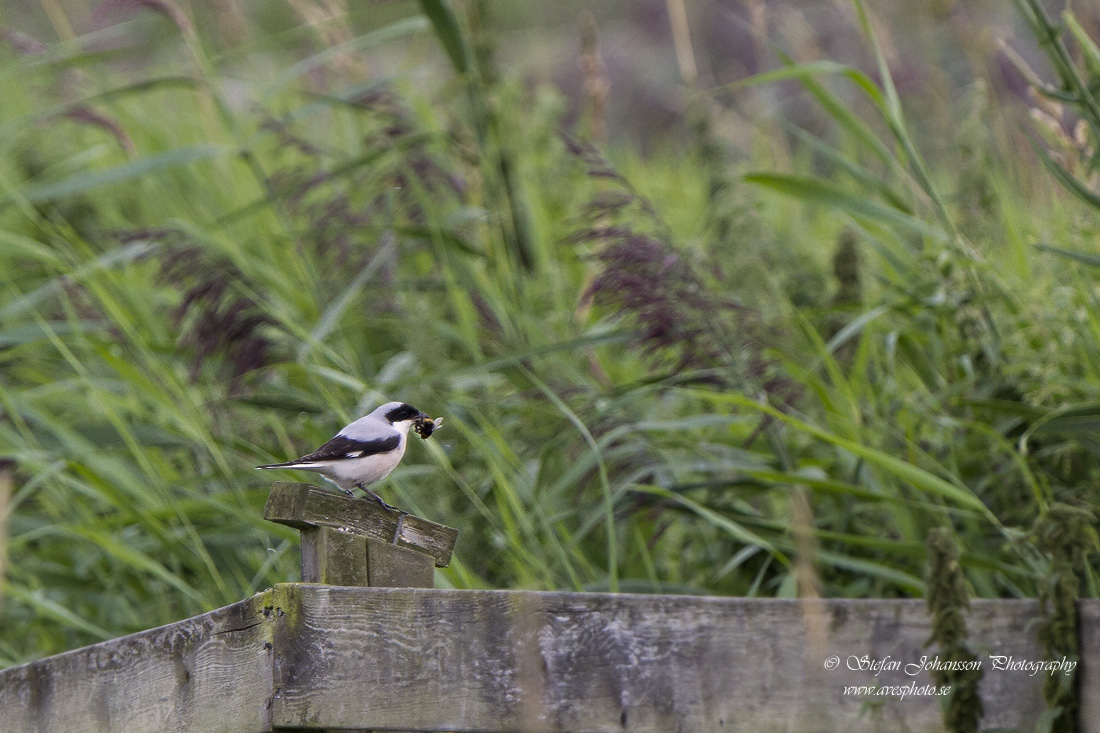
column 399, row 414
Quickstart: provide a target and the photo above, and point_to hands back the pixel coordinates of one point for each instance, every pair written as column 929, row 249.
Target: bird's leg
column 401, row 513
column 378, row 499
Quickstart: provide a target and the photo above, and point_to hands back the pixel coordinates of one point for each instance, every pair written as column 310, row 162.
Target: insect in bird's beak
column 425, row 426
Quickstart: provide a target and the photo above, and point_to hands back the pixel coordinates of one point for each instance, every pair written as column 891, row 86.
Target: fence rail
column 313, row 657
column 303, row 657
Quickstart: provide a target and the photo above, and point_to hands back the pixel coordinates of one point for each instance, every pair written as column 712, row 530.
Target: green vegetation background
column 751, row 322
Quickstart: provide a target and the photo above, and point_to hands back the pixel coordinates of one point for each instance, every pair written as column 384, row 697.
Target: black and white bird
column 367, row 450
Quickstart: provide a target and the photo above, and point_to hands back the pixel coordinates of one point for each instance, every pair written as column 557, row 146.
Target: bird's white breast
column 368, row 469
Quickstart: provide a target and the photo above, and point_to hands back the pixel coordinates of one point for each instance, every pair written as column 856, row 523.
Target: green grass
column 641, row 360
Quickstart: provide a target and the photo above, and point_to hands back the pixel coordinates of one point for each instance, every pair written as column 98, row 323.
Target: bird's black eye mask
column 402, row 412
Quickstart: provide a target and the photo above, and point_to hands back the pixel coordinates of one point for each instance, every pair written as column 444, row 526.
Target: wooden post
column 356, row 542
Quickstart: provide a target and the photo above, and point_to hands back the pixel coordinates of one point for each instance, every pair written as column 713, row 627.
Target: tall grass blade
column 448, row 31
column 88, row 181
column 392, row 32
column 825, row 193
column 917, row 477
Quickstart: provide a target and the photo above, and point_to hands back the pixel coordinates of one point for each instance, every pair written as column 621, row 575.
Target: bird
column 366, row 451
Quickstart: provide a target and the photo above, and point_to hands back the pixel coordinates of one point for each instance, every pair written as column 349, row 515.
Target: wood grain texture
column 333, row 557
column 303, row 506
column 392, row 566
column 1088, row 680
column 312, row 657
column 526, row 661
column 208, row 673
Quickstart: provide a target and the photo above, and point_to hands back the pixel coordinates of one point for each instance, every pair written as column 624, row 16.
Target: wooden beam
column 524, row 661
column 391, row 566
column 332, row 557
column 211, row 672
column 310, row 657
column 1088, row 681
column 303, row 506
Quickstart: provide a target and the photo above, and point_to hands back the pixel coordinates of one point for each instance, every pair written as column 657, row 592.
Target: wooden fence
column 303, row 656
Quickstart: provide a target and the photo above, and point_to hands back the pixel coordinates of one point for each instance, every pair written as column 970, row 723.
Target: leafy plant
column 948, row 599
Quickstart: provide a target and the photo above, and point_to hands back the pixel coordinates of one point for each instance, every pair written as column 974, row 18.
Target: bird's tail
column 291, row 464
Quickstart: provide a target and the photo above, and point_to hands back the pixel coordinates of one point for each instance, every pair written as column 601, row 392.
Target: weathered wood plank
column 525, row 661
column 1088, row 680
column 332, row 557
column 309, row 657
column 393, row 566
column 304, row 506
column 208, row 673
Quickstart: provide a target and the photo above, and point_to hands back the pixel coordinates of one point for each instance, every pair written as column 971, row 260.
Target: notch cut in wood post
column 349, row 541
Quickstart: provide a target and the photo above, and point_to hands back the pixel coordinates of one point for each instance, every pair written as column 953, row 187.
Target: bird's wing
column 344, row 447
column 365, row 437
column 368, row 428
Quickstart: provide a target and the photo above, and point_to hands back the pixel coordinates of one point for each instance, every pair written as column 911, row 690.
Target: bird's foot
column 401, row 513
column 379, row 499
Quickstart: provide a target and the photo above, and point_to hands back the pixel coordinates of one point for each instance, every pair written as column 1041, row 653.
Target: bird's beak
column 423, row 416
